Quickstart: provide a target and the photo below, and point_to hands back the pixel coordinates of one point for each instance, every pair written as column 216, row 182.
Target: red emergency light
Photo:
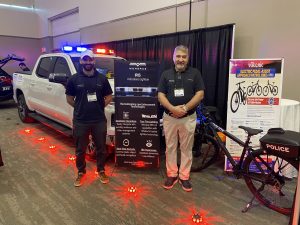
column 101, row 50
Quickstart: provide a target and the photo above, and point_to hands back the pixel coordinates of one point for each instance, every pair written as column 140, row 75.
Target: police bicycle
column 265, row 170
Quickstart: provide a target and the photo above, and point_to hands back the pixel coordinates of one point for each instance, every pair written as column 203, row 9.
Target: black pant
column 81, row 132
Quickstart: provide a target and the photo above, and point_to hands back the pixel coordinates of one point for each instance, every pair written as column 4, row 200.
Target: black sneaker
column 103, row 177
column 79, row 180
column 169, row 183
column 186, row 185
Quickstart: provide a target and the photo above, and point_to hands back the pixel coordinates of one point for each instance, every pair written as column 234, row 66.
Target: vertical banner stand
column 137, row 122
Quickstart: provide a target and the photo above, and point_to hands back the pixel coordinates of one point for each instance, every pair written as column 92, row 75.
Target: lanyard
column 178, row 80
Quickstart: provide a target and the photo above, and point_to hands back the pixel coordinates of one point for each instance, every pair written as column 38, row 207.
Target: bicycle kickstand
column 248, row 206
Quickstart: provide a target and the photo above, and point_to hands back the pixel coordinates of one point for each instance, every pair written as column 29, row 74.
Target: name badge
column 179, row 92
column 92, row 97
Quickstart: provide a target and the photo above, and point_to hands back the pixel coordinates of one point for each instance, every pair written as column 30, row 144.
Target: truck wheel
column 23, row 110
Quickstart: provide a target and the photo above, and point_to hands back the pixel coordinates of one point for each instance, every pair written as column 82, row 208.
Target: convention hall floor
column 36, row 187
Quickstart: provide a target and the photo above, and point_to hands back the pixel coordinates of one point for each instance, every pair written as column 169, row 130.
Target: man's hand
column 178, row 111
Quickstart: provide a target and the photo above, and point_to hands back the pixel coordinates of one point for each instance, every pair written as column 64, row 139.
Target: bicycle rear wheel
column 274, row 189
column 235, row 101
column 205, row 153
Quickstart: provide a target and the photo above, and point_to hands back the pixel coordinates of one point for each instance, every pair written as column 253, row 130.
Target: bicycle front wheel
column 274, row 188
column 275, row 90
column 205, row 153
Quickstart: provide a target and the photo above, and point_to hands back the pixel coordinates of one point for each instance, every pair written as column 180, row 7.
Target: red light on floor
column 41, row 139
column 27, row 131
column 132, row 189
column 197, row 218
column 72, row 158
column 52, row 147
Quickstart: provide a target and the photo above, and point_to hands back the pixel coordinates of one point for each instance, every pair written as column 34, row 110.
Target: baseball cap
column 88, row 53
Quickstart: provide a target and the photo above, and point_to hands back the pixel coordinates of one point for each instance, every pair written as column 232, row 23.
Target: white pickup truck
column 40, row 94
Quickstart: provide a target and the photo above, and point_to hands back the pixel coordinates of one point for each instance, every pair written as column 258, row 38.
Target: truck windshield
column 103, row 65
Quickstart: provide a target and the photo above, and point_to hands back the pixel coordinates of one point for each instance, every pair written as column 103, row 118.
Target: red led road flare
column 197, row 218
column 132, row 189
column 72, row 158
column 52, row 147
column 27, row 131
column 41, row 139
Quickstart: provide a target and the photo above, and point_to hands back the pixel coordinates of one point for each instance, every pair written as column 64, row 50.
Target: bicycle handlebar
column 240, row 83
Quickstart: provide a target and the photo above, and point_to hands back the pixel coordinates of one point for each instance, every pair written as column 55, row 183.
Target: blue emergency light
column 81, row 49
column 67, row 48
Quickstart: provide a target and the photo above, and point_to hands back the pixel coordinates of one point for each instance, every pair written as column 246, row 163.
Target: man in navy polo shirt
column 180, row 91
column 89, row 92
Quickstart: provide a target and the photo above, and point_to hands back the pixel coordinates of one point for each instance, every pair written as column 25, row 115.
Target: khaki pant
column 181, row 130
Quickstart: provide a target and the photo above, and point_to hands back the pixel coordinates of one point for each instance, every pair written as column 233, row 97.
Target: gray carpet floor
column 36, row 187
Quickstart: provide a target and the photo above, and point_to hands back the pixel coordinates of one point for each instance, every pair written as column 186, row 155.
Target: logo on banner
column 125, row 115
column 137, row 66
column 125, row 142
column 255, row 65
column 149, row 143
column 154, row 116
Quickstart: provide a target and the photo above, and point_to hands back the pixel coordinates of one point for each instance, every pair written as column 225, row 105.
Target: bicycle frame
column 237, row 167
column 214, row 128
column 262, row 169
column 241, row 93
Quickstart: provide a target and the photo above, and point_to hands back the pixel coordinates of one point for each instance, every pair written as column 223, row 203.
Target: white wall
column 100, row 11
column 18, row 22
column 264, row 29
column 47, row 9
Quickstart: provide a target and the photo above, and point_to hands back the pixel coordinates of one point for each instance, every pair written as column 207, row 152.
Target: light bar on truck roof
column 81, row 49
column 101, row 50
column 67, row 48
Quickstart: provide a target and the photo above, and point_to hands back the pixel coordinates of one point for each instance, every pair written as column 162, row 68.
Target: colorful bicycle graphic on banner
column 239, row 96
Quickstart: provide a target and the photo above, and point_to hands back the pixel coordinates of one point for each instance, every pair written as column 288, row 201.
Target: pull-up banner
column 254, row 93
column 136, row 117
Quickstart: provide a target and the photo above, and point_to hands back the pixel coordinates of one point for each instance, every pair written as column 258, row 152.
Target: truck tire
column 23, row 110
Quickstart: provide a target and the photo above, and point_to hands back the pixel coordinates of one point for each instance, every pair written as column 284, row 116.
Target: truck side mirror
column 60, row 78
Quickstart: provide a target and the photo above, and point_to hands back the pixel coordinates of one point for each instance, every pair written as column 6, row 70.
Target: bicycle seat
column 250, row 130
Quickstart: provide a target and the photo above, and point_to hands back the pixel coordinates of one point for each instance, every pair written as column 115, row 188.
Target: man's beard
column 180, row 66
column 88, row 67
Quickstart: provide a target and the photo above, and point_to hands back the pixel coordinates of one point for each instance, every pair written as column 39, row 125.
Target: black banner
column 137, row 136
column 136, row 114
column 136, row 78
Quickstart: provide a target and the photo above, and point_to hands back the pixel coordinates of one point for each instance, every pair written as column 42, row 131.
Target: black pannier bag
column 284, row 143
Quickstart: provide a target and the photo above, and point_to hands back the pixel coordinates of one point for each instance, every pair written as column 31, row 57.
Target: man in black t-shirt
column 180, row 90
column 89, row 92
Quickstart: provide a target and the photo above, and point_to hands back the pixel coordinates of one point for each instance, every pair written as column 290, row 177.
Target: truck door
column 63, row 111
column 41, row 89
